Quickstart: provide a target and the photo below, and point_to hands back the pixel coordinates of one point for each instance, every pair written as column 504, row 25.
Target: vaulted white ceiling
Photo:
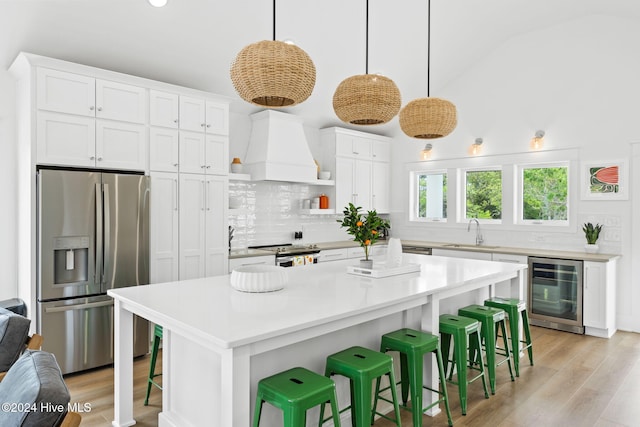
column 192, row 42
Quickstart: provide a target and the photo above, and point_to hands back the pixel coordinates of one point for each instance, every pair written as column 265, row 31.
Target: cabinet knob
column 175, row 121
column 208, row 167
column 175, row 165
column 208, row 126
column 355, row 152
column 92, row 158
column 91, row 108
column 99, row 108
column 99, row 159
column 201, row 124
column 203, row 166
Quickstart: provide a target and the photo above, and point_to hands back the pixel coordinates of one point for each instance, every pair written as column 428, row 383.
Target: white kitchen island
column 218, row 342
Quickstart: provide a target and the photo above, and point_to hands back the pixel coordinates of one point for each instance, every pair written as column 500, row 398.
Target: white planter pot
column 592, row 249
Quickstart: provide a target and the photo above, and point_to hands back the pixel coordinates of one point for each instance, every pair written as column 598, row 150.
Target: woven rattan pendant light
column 272, row 73
column 366, row 99
column 428, row 118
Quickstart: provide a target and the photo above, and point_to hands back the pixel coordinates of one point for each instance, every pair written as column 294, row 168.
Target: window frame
column 518, row 198
column 414, row 197
column 462, row 194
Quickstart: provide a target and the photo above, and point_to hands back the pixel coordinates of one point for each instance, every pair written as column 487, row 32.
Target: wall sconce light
column 537, row 141
column 425, row 154
column 476, row 147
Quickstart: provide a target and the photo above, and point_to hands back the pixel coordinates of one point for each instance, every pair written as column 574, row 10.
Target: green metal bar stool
column 515, row 310
column 362, row 365
column 294, row 392
column 413, row 346
column 490, row 319
column 157, row 336
column 466, row 334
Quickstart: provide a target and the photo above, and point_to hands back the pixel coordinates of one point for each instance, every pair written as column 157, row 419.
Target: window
column 483, row 194
column 544, row 194
column 431, row 196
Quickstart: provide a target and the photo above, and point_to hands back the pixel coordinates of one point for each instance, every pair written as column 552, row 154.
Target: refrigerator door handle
column 99, row 235
column 106, row 260
column 78, row 306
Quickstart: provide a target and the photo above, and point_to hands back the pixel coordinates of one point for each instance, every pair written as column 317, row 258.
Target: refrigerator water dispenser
column 71, row 260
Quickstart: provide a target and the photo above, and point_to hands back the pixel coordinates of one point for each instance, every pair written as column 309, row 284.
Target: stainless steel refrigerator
column 93, row 235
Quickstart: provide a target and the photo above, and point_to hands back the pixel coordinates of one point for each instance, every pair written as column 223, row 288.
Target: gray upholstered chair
column 14, row 339
column 35, row 381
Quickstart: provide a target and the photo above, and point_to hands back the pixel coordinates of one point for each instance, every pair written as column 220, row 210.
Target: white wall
column 578, row 82
column 8, row 258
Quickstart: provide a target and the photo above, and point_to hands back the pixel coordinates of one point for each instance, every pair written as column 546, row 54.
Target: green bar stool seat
column 413, row 345
column 466, row 335
column 490, row 319
column 515, row 309
column 362, row 365
column 294, row 391
column 157, row 336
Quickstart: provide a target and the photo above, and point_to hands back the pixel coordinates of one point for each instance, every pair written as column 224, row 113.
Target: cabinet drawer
column 333, row 255
column 254, row 260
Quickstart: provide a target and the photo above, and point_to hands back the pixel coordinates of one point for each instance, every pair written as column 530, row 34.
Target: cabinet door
column 461, row 254
column 118, row 101
column 217, row 155
column 65, row 140
column 163, row 109
column 217, row 117
column 217, row 240
column 65, row 92
column 345, row 170
column 594, row 295
column 192, row 226
column 361, row 147
column 362, row 184
column 163, row 216
column 163, row 149
column 254, row 260
column 380, row 187
column 192, row 114
column 192, row 152
column 356, row 147
column 120, row 145
column 333, row 255
column 380, row 151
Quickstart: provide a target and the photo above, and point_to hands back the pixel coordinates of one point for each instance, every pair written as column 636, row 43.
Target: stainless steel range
column 290, row 255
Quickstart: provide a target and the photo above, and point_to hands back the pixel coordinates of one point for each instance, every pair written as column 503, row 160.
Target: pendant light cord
column 366, row 55
column 428, row 44
column 274, row 20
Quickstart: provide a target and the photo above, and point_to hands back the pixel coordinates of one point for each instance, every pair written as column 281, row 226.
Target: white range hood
column 278, row 149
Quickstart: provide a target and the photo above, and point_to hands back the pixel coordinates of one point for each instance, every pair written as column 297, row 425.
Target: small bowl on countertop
column 258, row 278
column 324, row 175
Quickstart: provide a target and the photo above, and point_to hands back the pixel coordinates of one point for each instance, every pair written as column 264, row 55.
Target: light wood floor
column 576, row 381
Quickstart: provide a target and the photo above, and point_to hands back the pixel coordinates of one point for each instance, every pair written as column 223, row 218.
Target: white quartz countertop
column 211, row 309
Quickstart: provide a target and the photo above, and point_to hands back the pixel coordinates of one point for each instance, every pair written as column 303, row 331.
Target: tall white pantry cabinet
column 76, row 116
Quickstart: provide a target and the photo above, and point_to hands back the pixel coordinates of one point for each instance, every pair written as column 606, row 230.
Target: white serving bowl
column 258, row 278
column 324, row 174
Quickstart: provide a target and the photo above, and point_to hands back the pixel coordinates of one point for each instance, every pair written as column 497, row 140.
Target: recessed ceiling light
column 158, row 3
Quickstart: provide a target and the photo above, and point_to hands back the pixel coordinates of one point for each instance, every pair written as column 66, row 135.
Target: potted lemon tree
column 365, row 229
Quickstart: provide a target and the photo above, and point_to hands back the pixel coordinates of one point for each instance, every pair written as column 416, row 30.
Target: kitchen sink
column 468, row 246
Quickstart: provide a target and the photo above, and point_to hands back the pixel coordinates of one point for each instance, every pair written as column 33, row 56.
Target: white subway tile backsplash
column 270, row 212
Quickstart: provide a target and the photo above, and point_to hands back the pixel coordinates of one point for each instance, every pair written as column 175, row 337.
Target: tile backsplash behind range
column 268, row 212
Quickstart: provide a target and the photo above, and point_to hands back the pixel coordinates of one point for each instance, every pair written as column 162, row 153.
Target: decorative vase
column 366, row 263
column 236, row 165
column 591, row 248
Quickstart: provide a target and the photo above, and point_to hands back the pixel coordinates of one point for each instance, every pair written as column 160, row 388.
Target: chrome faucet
column 479, row 238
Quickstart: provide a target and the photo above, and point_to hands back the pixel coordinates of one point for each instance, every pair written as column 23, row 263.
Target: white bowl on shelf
column 324, row 174
column 258, row 278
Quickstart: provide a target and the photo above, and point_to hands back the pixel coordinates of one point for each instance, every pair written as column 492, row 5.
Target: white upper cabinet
column 86, row 96
column 163, row 149
column 199, row 115
column 120, row 145
column 66, row 93
column 65, row 140
column 202, row 153
column 163, row 109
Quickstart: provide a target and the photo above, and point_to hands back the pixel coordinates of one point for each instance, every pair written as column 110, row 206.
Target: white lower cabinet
column 599, row 295
column 164, row 226
column 203, row 247
column 188, row 223
column 326, row 255
column 461, row 254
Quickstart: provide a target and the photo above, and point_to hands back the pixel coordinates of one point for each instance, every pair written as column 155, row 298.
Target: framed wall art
column 606, row 180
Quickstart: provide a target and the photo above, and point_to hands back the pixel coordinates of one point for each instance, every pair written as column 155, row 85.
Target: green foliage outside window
column 544, row 194
column 484, row 194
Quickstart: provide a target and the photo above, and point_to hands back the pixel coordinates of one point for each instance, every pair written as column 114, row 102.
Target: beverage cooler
column 555, row 294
